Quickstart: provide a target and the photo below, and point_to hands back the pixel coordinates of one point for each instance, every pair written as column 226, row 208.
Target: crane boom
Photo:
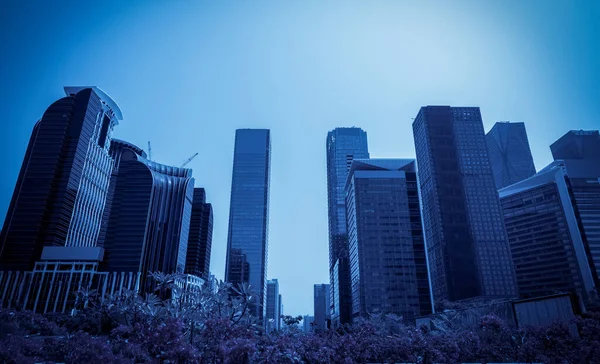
column 188, row 161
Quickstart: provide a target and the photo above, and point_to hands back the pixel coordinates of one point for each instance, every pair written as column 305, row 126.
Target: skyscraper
column 200, row 238
column 149, row 222
column 546, row 242
column 273, row 305
column 387, row 250
column 510, row 155
column 343, row 146
column 247, row 240
column 467, row 245
column 321, row 306
column 280, row 311
column 60, row 194
column 580, row 152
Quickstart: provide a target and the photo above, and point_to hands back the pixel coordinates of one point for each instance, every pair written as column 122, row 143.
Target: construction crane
column 149, row 151
column 188, row 161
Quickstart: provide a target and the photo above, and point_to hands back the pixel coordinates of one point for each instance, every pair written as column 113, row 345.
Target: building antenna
column 149, row 151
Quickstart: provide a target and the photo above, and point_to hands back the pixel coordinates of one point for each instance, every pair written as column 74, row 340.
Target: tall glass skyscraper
column 247, row 240
column 547, row 243
column 388, row 263
column 60, row 194
column 200, row 237
column 321, row 306
column 343, row 146
column 149, row 221
column 509, row 153
column 579, row 151
column 468, row 250
column 273, row 305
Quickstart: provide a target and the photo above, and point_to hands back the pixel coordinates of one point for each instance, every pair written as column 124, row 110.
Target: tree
column 181, row 324
column 291, row 320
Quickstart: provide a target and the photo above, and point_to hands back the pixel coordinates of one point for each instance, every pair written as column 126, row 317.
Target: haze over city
column 187, row 75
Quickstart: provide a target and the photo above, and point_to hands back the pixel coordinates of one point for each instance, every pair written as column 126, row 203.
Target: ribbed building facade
column 90, row 212
column 343, row 146
column 388, row 262
column 200, row 237
column 52, row 286
column 148, row 226
column 247, row 239
column 544, row 232
column 468, row 250
column 510, row 155
column 579, row 151
column 60, row 194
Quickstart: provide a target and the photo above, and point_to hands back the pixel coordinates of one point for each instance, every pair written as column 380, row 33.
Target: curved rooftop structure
column 72, row 90
column 166, row 169
column 129, row 145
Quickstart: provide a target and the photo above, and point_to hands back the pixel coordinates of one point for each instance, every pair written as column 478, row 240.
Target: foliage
column 291, row 320
column 178, row 324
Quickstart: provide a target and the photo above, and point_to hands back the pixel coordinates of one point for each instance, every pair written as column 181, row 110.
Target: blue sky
column 188, row 73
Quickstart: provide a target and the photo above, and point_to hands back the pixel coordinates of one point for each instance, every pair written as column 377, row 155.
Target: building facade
column 148, row 226
column 60, row 194
column 579, row 151
column 343, row 146
column 388, row 262
column 467, row 245
column 510, row 155
column 273, row 305
column 321, row 307
column 308, row 323
column 543, row 228
column 200, row 237
column 247, row 239
column 280, row 311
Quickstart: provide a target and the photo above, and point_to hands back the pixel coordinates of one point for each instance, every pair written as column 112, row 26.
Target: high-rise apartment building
column 321, row 307
column 273, row 305
column 343, row 146
column 200, row 237
column 468, row 250
column 148, row 226
column 543, row 228
column 579, row 151
column 60, row 194
column 388, row 263
column 510, row 155
column 249, row 214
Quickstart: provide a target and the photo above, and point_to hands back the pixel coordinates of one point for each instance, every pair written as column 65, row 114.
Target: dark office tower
column 149, row 219
column 580, row 152
column 115, row 152
column 321, row 307
column 509, row 153
column 200, row 238
column 343, row 146
column 466, row 240
column 387, row 250
column 61, row 190
column 543, row 230
column 273, row 305
column 280, row 312
column 247, row 240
